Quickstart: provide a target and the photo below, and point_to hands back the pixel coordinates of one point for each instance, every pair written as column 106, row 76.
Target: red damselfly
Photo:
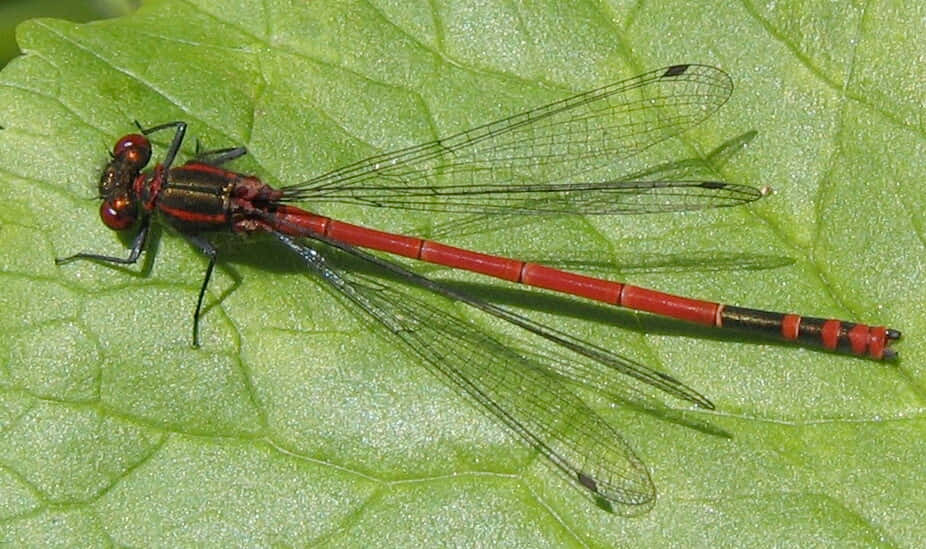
column 527, row 164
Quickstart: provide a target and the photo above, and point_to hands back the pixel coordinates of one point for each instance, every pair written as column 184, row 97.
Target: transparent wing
column 516, row 387
column 606, row 198
column 532, row 162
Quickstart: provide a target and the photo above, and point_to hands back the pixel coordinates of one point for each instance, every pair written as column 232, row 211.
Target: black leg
column 209, row 250
column 138, row 245
column 174, row 147
column 218, row 157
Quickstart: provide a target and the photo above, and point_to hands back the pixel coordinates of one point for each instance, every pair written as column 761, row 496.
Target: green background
column 293, row 425
column 12, row 12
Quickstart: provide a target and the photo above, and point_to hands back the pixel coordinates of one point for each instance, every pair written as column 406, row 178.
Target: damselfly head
column 130, row 154
column 134, row 149
column 118, row 211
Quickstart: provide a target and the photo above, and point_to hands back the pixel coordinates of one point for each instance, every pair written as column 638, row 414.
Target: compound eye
column 118, row 213
column 134, row 149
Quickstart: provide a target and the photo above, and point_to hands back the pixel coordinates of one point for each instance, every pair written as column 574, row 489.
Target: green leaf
column 295, row 425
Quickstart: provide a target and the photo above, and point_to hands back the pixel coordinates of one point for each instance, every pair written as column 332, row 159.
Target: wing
column 528, row 397
column 532, row 162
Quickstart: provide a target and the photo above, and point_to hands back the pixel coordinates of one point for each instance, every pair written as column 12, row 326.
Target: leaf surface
column 295, row 425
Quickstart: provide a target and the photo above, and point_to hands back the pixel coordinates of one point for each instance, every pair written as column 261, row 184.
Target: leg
column 174, row 147
column 137, row 246
column 218, row 157
column 207, row 248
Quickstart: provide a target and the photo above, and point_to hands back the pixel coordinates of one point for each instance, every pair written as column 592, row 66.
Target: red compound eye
column 134, row 149
column 118, row 213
